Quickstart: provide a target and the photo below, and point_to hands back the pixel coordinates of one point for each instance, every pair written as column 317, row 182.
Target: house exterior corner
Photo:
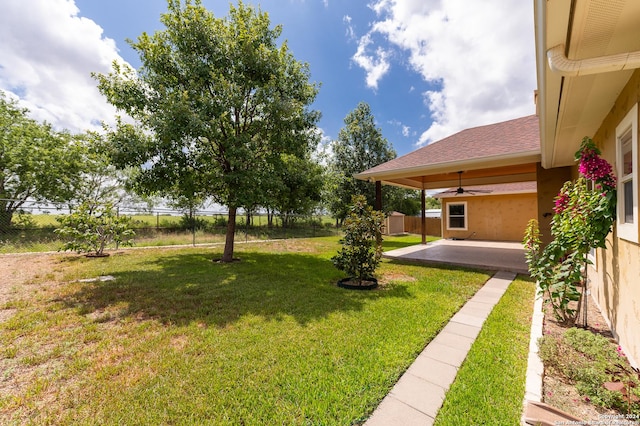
column 614, row 278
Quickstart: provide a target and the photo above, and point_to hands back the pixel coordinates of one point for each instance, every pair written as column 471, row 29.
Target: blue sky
column 427, row 68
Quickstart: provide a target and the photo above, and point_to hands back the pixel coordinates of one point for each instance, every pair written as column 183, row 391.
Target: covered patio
column 492, row 255
column 492, row 155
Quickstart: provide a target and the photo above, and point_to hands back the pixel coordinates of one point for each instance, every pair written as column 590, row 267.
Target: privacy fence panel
column 413, row 225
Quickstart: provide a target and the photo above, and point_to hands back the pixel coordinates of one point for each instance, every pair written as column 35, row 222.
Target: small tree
column 90, row 228
column 362, row 243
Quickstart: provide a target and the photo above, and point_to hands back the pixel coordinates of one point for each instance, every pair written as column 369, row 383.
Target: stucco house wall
column 492, row 217
column 615, row 277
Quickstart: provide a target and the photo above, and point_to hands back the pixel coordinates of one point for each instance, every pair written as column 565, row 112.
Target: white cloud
column 351, row 33
column 324, row 150
column 479, row 54
column 47, row 54
column 376, row 63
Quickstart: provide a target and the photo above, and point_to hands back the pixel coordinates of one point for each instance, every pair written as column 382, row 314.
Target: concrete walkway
column 420, row 392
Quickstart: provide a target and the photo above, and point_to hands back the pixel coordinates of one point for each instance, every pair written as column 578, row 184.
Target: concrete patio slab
column 503, row 256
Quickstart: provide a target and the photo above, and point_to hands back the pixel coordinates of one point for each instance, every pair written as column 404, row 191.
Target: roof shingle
column 508, row 137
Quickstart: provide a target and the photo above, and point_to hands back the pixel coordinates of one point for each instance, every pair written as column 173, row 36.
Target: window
column 592, row 256
column 627, row 171
column 457, row 216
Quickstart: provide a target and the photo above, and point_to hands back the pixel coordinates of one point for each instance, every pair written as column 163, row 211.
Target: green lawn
column 490, row 385
column 178, row 339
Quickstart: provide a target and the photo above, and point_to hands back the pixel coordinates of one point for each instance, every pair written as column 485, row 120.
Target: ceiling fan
column 460, row 190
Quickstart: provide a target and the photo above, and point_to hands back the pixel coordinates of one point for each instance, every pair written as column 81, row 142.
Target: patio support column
column 423, row 222
column 379, row 195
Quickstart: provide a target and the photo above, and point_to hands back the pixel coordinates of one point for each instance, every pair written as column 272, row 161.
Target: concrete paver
column 420, row 394
column 446, row 354
column 433, row 371
column 462, row 329
column 391, row 411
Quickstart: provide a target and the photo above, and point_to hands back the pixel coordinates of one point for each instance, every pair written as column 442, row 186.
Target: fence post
column 118, row 216
column 246, row 229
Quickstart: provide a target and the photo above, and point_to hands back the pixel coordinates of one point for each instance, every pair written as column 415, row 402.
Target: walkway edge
column 535, row 367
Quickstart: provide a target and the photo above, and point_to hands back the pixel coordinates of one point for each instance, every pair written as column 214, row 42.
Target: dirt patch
column 18, row 273
column 556, row 391
column 392, row 277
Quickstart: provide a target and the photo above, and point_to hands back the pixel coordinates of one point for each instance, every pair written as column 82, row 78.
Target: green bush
column 362, row 243
column 90, row 228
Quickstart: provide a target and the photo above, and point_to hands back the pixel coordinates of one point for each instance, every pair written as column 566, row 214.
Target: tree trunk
column 5, row 219
column 269, row 218
column 227, row 256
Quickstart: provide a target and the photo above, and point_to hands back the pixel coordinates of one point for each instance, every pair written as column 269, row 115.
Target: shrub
column 362, row 243
column 90, row 228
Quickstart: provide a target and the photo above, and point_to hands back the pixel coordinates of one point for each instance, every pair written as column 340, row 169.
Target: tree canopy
column 360, row 146
column 216, row 99
column 36, row 162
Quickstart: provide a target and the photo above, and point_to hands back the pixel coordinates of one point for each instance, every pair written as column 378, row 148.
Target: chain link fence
column 32, row 227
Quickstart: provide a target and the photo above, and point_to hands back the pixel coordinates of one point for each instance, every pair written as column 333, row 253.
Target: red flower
column 562, row 201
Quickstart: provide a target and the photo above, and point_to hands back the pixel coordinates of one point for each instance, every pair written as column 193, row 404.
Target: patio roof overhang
column 484, row 171
column 492, row 154
column 586, row 51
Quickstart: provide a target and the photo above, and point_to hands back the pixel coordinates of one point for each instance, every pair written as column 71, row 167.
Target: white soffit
column 599, row 28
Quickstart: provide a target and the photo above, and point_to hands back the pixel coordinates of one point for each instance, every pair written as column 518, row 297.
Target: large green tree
column 36, row 162
column 297, row 187
column 215, row 96
column 99, row 181
column 360, row 146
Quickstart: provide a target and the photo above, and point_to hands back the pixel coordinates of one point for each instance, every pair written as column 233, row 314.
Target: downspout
column 540, row 11
column 558, row 62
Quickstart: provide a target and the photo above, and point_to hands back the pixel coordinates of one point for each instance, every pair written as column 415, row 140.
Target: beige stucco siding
column 615, row 280
column 493, row 217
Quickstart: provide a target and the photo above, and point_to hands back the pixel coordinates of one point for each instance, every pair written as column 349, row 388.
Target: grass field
column 178, row 339
column 35, row 232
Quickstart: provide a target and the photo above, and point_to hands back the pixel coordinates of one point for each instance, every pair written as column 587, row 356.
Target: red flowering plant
column 584, row 215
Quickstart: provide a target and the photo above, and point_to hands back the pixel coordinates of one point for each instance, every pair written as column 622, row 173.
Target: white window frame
column 627, row 230
column 466, row 215
column 593, row 257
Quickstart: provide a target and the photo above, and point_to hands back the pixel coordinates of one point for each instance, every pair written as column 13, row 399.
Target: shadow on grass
column 189, row 288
